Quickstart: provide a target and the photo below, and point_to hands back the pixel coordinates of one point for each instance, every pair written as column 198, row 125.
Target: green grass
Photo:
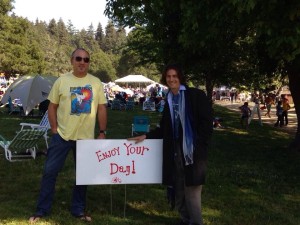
column 252, row 179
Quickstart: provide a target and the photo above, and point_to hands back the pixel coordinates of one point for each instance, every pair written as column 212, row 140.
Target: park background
column 254, row 175
column 252, row 178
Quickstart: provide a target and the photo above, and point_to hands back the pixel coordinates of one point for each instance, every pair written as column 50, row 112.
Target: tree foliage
column 45, row 48
column 248, row 43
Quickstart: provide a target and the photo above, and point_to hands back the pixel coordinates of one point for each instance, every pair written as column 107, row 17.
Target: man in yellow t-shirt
column 76, row 100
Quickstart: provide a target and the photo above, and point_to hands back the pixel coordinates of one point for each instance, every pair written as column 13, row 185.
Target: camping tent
column 140, row 79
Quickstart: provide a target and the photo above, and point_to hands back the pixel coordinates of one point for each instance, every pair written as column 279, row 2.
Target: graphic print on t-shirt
column 81, row 99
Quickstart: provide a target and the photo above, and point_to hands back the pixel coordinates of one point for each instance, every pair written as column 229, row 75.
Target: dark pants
column 56, row 156
column 187, row 198
column 279, row 120
column 285, row 117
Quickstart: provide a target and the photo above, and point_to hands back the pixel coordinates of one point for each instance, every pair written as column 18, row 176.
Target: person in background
column 286, row 107
column 76, row 100
column 186, row 129
column 279, row 114
column 246, row 113
column 269, row 102
column 43, row 107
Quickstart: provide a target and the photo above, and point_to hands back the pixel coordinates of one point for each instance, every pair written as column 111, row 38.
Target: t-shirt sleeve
column 102, row 98
column 53, row 95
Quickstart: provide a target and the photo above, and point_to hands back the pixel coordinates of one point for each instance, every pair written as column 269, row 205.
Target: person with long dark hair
column 186, row 128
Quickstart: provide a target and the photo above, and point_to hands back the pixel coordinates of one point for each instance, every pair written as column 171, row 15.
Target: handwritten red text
column 110, row 153
column 115, row 168
column 139, row 150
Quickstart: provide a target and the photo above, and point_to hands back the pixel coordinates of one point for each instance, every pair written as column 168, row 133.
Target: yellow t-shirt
column 78, row 100
column 285, row 105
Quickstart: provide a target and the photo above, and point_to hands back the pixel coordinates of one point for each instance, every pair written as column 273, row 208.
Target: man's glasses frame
column 79, row 59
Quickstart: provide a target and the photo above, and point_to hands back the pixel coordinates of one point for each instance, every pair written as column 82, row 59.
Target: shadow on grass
column 252, row 178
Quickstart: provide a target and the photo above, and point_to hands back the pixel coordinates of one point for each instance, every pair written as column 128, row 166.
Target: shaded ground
column 290, row 128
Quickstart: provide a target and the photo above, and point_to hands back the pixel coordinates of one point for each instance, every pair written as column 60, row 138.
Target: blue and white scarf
column 187, row 141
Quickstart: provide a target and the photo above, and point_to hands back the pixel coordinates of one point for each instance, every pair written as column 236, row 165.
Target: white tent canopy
column 134, row 79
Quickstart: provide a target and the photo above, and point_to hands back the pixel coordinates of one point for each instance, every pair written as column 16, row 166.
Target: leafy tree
column 280, row 37
column 110, row 39
column 16, row 51
column 91, row 41
column 41, row 35
column 164, row 36
column 135, row 59
column 99, row 36
column 52, row 28
column 101, row 66
column 70, row 28
column 44, row 48
column 63, row 35
column 5, row 7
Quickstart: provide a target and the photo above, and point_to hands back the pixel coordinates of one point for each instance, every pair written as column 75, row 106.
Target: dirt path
column 290, row 128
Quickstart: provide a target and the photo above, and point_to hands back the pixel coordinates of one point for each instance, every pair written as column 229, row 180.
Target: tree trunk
column 294, row 84
column 209, row 88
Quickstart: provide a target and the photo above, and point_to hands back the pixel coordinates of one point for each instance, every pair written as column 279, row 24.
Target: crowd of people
column 155, row 93
column 265, row 102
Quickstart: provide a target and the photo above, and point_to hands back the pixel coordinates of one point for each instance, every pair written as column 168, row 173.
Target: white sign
column 148, row 105
column 111, row 161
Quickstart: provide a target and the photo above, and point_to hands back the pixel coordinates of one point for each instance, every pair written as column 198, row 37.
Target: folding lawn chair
column 140, row 125
column 43, row 125
column 23, row 145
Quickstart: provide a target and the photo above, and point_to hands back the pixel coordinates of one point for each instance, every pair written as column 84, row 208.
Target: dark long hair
column 178, row 70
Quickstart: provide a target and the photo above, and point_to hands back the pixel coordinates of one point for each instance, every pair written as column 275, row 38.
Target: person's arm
column 102, row 120
column 52, row 117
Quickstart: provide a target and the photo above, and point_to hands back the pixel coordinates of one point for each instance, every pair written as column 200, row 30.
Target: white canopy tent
column 140, row 79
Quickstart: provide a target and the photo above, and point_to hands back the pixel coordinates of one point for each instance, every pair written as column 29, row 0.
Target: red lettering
column 107, row 154
column 127, row 170
column 139, row 150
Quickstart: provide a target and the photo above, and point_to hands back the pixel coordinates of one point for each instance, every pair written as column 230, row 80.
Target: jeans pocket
column 56, row 140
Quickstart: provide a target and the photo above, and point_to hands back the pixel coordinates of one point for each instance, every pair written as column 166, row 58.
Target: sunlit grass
column 252, row 179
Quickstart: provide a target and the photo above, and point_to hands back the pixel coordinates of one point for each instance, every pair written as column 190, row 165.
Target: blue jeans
column 56, row 157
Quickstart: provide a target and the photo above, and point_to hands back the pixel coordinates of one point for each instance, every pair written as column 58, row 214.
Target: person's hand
column 54, row 131
column 137, row 139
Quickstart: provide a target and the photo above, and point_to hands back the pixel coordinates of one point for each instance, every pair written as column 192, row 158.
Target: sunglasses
column 79, row 59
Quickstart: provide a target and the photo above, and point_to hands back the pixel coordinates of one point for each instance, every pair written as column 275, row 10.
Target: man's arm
column 52, row 117
column 102, row 119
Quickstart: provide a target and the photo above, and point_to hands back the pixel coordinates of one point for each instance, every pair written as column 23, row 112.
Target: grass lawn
column 252, row 179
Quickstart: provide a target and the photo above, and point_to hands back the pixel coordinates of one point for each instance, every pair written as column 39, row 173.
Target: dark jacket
column 202, row 121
